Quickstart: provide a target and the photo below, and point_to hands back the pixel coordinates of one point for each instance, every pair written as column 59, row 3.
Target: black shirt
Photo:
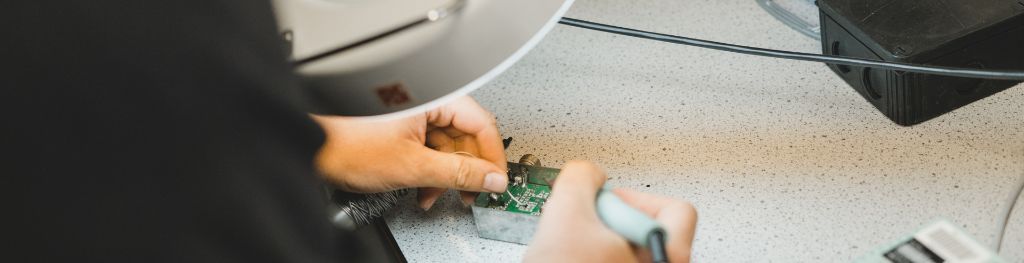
column 155, row 131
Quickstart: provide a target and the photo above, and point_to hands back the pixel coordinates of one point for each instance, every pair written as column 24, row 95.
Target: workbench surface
column 783, row 160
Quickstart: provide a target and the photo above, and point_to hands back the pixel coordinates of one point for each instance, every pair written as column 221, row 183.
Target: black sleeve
column 155, row 131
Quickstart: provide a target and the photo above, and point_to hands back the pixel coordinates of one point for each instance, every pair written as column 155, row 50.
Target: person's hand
column 570, row 230
column 465, row 153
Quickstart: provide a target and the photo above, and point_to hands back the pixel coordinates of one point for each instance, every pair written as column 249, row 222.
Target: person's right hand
column 570, row 230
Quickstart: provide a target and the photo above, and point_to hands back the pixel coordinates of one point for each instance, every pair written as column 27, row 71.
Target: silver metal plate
column 504, row 226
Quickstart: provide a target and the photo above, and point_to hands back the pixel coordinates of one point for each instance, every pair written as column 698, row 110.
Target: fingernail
column 427, row 204
column 495, row 182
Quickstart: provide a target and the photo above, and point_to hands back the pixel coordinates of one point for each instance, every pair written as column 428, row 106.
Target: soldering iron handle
column 625, row 220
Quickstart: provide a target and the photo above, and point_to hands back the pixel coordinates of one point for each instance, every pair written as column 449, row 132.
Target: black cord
column 936, row 70
column 656, row 242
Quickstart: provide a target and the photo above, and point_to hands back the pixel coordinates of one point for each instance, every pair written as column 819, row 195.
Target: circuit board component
column 512, row 216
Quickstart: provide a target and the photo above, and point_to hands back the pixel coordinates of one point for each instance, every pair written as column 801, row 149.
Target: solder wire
column 513, row 197
column 829, row 59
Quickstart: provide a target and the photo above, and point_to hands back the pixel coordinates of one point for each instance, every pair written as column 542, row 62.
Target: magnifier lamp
column 394, row 58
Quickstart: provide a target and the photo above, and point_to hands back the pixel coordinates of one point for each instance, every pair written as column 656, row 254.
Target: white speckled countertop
column 784, row 161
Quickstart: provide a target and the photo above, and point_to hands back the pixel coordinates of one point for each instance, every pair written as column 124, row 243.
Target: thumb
column 575, row 190
column 447, row 170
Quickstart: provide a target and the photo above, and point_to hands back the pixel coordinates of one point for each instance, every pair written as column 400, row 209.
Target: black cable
column 936, row 70
column 656, row 242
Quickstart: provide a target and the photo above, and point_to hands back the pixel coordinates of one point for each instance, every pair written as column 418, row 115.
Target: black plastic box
column 962, row 33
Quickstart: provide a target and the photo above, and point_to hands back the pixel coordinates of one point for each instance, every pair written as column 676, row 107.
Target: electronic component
column 940, row 241
column 513, row 215
column 519, row 178
column 981, row 34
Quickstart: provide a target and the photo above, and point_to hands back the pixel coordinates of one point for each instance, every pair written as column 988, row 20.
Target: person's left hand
column 374, row 156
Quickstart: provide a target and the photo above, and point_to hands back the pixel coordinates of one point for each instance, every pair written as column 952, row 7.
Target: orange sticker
column 393, row 95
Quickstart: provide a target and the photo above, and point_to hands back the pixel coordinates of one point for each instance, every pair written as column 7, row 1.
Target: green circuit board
column 526, row 194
